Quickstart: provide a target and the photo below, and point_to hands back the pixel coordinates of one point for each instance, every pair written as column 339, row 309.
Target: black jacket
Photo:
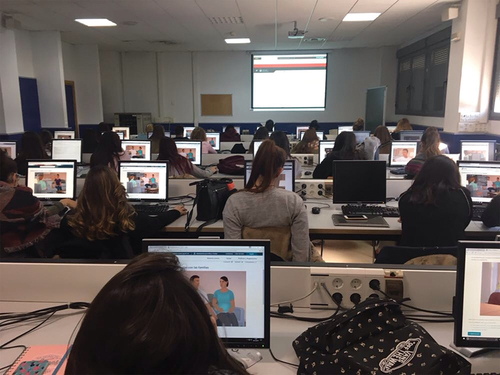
column 491, row 215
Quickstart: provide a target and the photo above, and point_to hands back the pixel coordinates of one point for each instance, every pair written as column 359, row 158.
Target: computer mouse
column 316, row 210
column 308, row 173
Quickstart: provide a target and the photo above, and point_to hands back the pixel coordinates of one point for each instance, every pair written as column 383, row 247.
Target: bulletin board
column 216, row 104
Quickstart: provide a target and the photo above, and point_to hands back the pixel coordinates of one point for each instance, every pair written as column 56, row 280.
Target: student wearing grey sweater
column 262, row 204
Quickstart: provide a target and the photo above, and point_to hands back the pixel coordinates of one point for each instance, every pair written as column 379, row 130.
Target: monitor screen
column 361, row 136
column 245, row 265
column 300, row 129
column 187, row 131
column 454, row 157
column 67, row 149
column 52, row 179
column 121, row 135
column 482, row 179
column 140, row 150
column 411, row 135
column 402, row 152
column 64, row 134
column 477, row 298
column 359, row 181
column 256, row 145
column 325, row 147
column 319, row 134
column 123, row 130
column 237, row 128
column 190, row 150
column 214, row 140
column 144, row 180
column 477, row 150
column 391, row 128
column 286, row 179
column 9, row 148
column 344, row 129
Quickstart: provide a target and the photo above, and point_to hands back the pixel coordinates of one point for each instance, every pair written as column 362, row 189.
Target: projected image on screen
column 289, row 81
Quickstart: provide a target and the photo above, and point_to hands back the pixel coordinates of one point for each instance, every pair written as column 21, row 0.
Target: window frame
column 495, row 84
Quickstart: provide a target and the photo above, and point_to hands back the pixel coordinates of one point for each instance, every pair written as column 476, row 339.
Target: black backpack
column 211, row 198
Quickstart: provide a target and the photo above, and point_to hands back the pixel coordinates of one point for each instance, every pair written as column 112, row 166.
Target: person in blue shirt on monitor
column 223, row 303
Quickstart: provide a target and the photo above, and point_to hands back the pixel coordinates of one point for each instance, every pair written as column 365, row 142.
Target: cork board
column 216, row 104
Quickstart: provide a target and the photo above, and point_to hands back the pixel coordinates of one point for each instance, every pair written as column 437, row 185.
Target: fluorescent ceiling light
column 237, row 40
column 95, row 22
column 357, row 17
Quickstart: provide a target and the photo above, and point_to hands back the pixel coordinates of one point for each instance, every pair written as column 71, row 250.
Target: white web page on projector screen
column 289, row 81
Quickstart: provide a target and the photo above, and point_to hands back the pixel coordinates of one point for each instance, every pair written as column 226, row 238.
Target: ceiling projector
column 296, row 33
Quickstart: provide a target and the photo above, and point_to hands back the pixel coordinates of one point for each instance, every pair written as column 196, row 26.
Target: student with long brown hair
column 429, row 147
column 109, row 151
column 344, row 149
column 156, row 137
column 309, row 143
column 283, row 208
column 104, row 224
column 382, row 133
column 403, row 124
column 31, row 148
column 148, row 319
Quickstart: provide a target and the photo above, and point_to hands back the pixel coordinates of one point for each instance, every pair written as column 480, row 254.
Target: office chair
column 402, row 254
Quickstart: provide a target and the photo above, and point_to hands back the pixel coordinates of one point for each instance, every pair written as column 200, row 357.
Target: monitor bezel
column 299, row 129
column 390, row 153
column 491, row 157
column 302, row 133
column 366, row 132
column 293, row 161
column 66, row 140
column 186, row 129
column 73, row 133
column 402, row 133
column 139, row 141
column 120, row 162
column 15, row 147
column 459, row 296
column 232, row 342
column 124, row 129
column 217, row 144
column 48, row 161
column 189, row 140
column 319, row 149
column 346, row 130
column 461, row 163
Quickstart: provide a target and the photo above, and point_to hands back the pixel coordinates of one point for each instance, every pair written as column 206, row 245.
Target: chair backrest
column 402, row 254
column 435, row 259
column 280, row 238
column 494, row 298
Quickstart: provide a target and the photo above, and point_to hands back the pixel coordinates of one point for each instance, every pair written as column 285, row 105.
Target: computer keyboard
column 477, row 212
column 151, row 209
column 398, row 171
column 362, row 209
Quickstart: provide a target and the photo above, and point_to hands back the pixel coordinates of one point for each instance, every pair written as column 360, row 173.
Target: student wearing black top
column 179, row 133
column 344, row 149
column 31, row 148
column 436, row 209
column 269, row 126
column 491, row 215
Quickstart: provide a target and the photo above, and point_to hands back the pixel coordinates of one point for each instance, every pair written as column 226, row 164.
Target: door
column 69, row 87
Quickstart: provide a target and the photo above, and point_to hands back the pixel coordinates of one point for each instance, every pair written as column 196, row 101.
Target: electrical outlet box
column 351, row 283
column 314, row 188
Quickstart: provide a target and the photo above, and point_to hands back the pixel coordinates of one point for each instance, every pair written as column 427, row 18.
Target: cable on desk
column 28, row 331
column 297, row 299
column 281, row 361
column 13, row 347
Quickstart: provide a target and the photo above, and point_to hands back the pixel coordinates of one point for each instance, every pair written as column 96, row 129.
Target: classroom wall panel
column 24, row 54
column 111, row 84
column 30, row 104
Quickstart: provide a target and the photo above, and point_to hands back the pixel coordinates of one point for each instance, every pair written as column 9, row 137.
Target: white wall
column 24, row 54
column 111, row 84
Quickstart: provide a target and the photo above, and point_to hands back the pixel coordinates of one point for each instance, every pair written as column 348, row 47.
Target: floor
column 345, row 251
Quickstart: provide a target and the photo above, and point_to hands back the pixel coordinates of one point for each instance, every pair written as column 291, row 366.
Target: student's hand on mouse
column 181, row 209
column 68, row 203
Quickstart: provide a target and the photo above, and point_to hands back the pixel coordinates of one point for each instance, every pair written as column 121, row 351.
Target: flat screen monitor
column 454, row 157
column 246, row 267
column 482, row 179
column 477, row 150
column 477, row 296
column 411, row 135
column 402, row 152
column 52, row 179
column 344, row 129
column 140, row 150
column 64, row 134
column 256, row 145
column 325, row 147
column 391, row 128
column 144, row 180
column 9, row 148
column 361, row 136
column 286, row 179
column 67, row 149
column 359, row 181
column 214, row 140
column 237, row 128
column 190, row 150
column 299, row 130
column 122, row 129
column 319, row 134
column 187, row 131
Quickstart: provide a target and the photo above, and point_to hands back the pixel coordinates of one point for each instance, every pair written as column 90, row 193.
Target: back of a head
column 281, row 140
column 230, row 129
column 103, row 127
column 403, row 124
column 108, row 150
column 310, row 136
column 358, row 125
column 314, row 125
column 266, row 165
column 430, row 143
column 179, row 131
column 7, row 167
column 345, row 145
column 382, row 133
column 149, row 127
column 199, row 134
column 148, row 319
column 269, row 125
column 32, row 147
column 261, row 133
column 168, row 151
column 46, row 137
column 159, row 132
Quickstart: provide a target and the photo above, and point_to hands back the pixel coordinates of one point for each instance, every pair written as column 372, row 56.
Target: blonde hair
column 403, row 124
column 198, row 134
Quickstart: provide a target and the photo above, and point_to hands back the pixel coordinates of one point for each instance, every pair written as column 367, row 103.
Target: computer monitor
column 149, row 135
column 190, row 150
column 300, row 129
column 123, row 129
column 411, row 135
column 256, row 145
column 121, row 134
column 52, row 179
column 237, row 128
column 187, row 131
column 482, row 179
column 477, row 296
column 319, row 134
column 325, row 147
column 64, row 134
column 361, row 136
column 391, row 128
column 214, row 140
column 9, row 148
column 140, row 150
column 477, row 150
column 286, row 179
column 359, row 181
column 245, row 264
column 454, row 157
column 402, row 152
column 144, row 180
column 67, row 149
column 344, row 129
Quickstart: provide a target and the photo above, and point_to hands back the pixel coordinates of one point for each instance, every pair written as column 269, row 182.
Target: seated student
column 344, row 149
column 429, row 147
column 283, row 208
column 156, row 137
column 103, row 127
column 198, row 134
column 109, row 151
column 24, row 222
column 230, row 135
column 31, row 148
column 281, row 140
column 382, row 133
column 144, row 136
column 269, row 126
column 403, row 124
column 314, row 125
column 103, row 224
column 148, row 319
column 261, row 134
column 436, row 209
column 178, row 165
column 179, row 133
column 491, row 215
column 309, row 143
column 358, row 125
column 46, row 138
